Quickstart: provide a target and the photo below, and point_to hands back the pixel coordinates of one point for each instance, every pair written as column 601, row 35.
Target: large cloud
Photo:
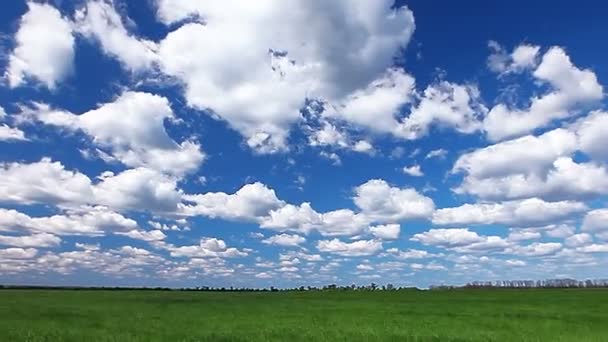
column 132, row 129
column 381, row 202
column 528, row 212
column 571, row 88
column 44, row 47
column 254, row 65
column 49, row 182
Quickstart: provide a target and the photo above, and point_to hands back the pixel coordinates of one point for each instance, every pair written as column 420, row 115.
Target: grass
column 457, row 315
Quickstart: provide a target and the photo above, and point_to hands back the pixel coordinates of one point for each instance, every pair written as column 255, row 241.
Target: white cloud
column 42, row 182
column 447, row 237
column 410, row 253
column 566, row 180
column 44, row 47
column 523, row 155
column 132, row 128
column 386, row 231
column 249, row 203
column 91, row 221
column 413, row 171
column 461, row 240
column 363, row 146
column 595, row 221
column 594, row 248
column 381, row 202
column 528, row 212
column 39, row 240
column 523, row 235
column 11, row 134
column 591, row 132
column 443, row 105
column 149, row 236
column 207, row 248
column 523, row 57
column 578, row 240
column 285, row 240
column 439, row 153
column 376, row 106
column 99, row 20
column 292, row 52
column 17, row 253
column 138, row 189
column 356, row 248
column 571, row 87
column 537, row 249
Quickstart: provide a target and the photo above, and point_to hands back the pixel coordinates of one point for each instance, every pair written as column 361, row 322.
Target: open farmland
column 408, row 315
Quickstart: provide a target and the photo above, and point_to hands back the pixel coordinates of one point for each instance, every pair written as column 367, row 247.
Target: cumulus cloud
column 285, row 240
column 528, row 212
column 288, row 59
column 386, row 231
column 249, row 203
column 591, row 131
column 132, row 129
column 413, row 171
column 381, row 202
column 95, row 221
column 38, row 240
column 99, row 21
column 443, row 105
column 207, row 248
column 8, row 133
column 595, row 221
column 571, row 87
column 44, row 47
column 523, row 57
column 356, row 248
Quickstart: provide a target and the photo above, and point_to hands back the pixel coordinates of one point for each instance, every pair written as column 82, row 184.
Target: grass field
column 457, row 315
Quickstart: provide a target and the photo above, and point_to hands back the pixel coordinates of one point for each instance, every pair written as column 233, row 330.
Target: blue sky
column 182, row 143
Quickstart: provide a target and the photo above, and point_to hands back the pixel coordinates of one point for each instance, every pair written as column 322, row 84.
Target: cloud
column 461, row 240
column 410, row 253
column 381, row 202
column 529, row 154
column 443, row 105
column 294, row 51
column 356, row 248
column 249, row 203
column 42, row 182
column 49, row 182
column 528, row 212
column 132, row 129
column 413, row 171
column 285, row 240
column 523, row 57
column 566, row 180
column 207, row 248
column 99, row 21
column 439, row 153
column 44, row 47
column 148, row 236
column 375, row 107
column 39, row 240
column 571, row 88
column 537, row 249
column 95, row 221
column 591, row 131
column 11, row 134
column 595, row 221
column 386, row 231
column 17, row 253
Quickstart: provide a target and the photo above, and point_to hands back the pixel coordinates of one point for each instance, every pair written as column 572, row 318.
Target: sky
column 186, row 143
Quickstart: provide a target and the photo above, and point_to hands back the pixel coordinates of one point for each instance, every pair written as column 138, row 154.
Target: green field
column 456, row 315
